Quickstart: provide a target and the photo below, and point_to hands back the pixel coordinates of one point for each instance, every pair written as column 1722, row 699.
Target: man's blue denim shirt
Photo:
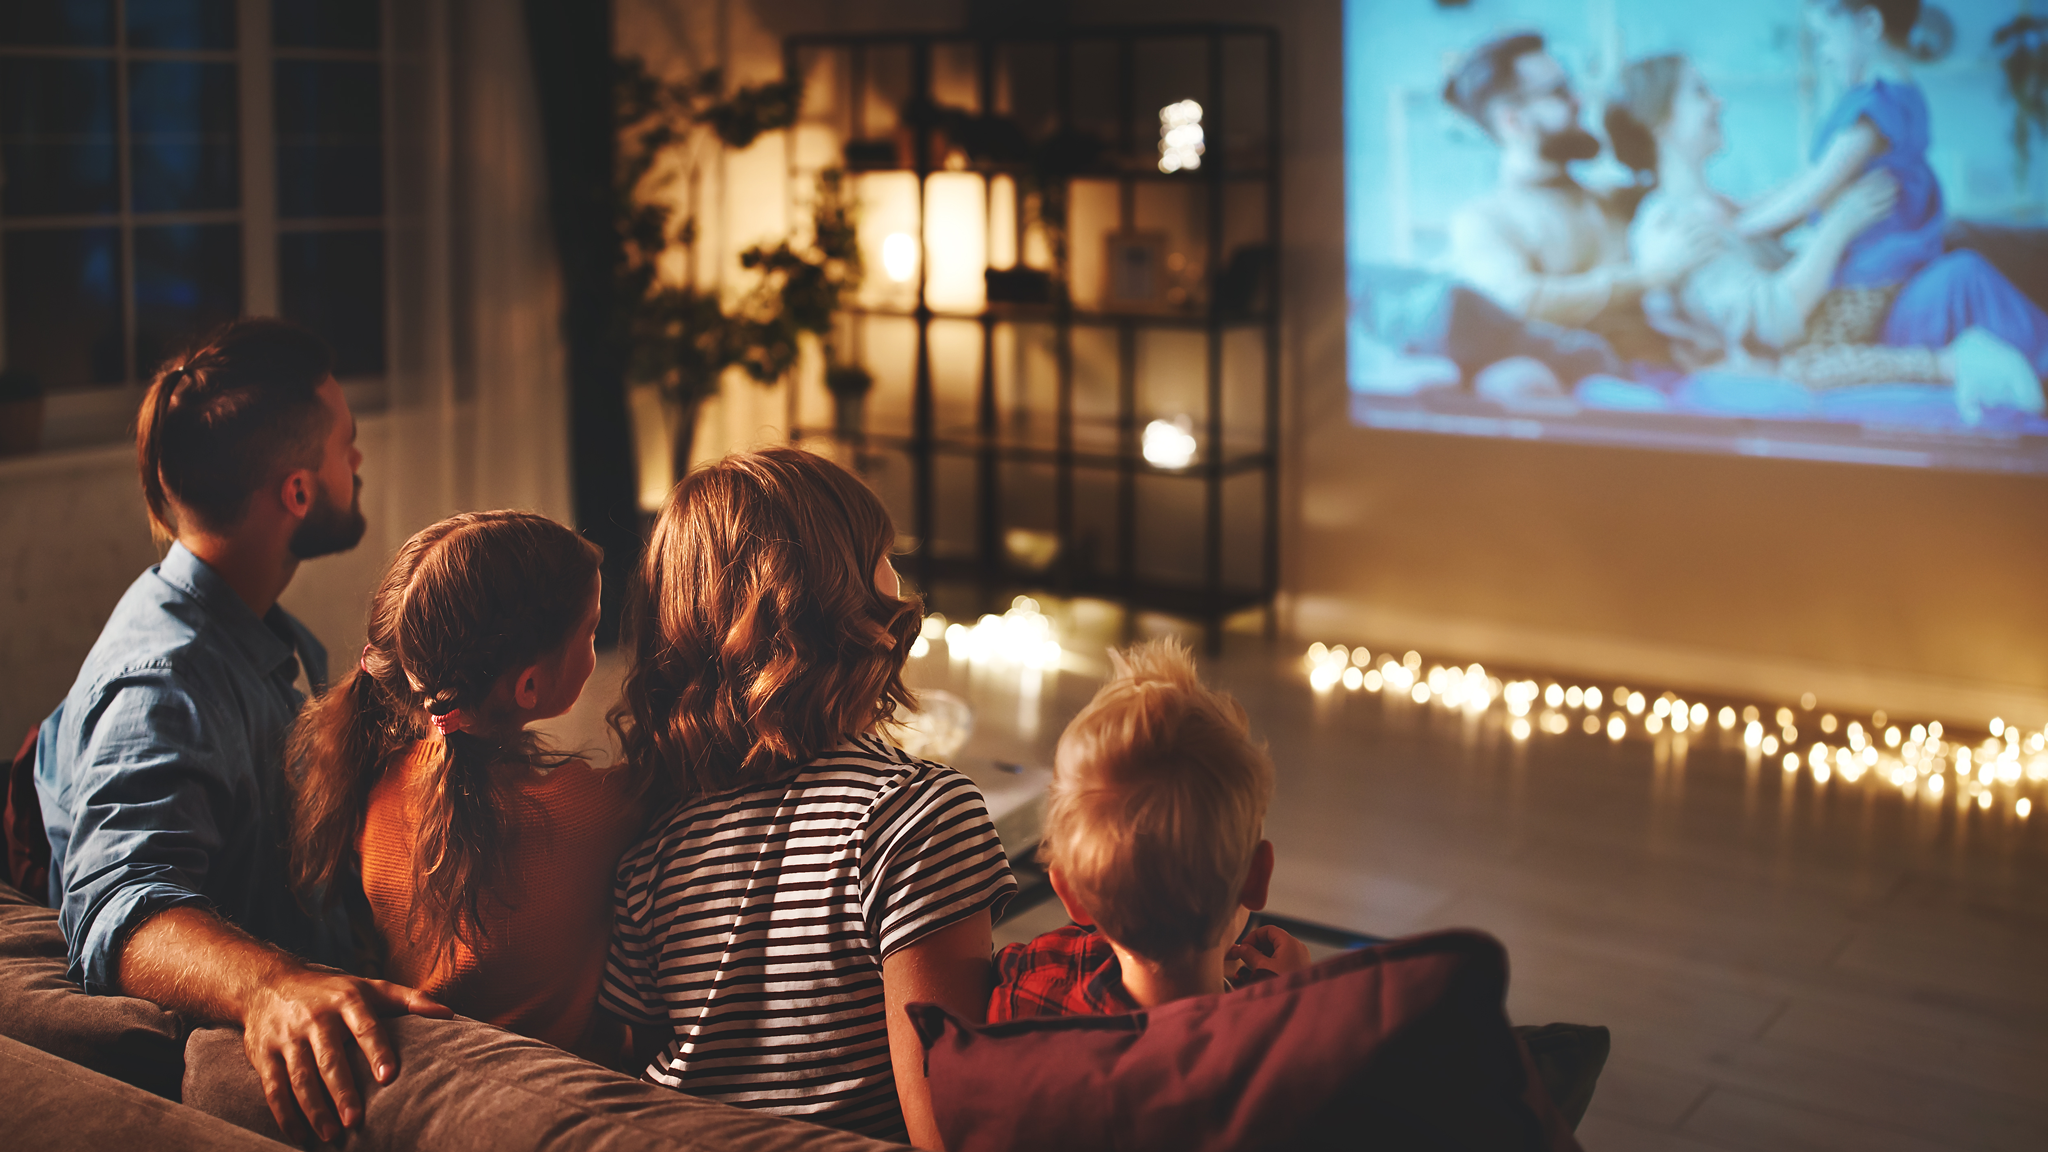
column 162, row 774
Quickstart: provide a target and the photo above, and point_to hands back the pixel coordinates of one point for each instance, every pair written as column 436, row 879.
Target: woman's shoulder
column 849, row 782
column 870, row 773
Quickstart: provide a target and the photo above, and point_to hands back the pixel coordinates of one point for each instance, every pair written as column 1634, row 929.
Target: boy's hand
column 1266, row 952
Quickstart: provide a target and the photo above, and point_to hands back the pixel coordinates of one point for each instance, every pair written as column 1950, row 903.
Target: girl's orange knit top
column 537, row 968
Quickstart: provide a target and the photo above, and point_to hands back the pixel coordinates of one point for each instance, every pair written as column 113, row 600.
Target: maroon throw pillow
column 1405, row 1045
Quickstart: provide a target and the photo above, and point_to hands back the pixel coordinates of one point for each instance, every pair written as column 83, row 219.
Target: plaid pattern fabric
column 1070, row 971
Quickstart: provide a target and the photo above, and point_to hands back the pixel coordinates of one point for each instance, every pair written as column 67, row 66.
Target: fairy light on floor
column 1834, row 749
column 1021, row 637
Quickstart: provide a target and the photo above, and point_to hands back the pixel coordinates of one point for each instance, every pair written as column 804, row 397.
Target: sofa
column 1406, row 1037
column 79, row 1071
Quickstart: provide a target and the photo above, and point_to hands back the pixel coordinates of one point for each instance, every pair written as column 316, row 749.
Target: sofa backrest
column 54, row 1105
column 465, row 1086
column 131, row 1040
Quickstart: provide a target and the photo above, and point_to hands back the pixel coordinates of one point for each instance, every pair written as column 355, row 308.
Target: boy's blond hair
column 1158, row 804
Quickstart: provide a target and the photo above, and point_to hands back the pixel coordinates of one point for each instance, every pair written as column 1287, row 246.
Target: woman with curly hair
column 814, row 878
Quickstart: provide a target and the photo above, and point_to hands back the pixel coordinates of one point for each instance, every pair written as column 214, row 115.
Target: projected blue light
column 1764, row 228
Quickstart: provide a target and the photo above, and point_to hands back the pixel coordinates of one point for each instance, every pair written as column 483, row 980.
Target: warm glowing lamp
column 956, row 236
column 899, row 257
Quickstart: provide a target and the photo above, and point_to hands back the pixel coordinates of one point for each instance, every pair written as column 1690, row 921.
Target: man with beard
column 161, row 776
column 1541, row 244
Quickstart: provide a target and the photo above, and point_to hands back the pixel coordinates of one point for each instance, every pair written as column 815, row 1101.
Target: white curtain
column 476, row 412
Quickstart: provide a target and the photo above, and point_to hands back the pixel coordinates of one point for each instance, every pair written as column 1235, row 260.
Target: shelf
column 1189, row 601
column 1224, row 172
column 1085, row 317
column 1085, row 477
column 972, row 444
column 1178, row 29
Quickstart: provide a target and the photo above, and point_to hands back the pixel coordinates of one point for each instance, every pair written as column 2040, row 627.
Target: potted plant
column 21, row 412
column 683, row 337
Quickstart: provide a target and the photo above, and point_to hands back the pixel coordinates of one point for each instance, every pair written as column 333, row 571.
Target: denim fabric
column 161, row 775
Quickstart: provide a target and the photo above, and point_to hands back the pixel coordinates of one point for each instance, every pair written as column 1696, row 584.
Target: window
column 166, row 165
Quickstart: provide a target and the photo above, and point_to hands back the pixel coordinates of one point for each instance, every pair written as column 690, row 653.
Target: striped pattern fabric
column 752, row 925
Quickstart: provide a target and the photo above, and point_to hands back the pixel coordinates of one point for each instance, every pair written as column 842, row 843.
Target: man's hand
column 297, row 1022
column 297, row 1026
column 1268, row 951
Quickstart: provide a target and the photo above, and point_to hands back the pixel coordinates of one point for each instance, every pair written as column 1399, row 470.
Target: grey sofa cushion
column 56, row 1106
column 466, row 1086
column 131, row 1040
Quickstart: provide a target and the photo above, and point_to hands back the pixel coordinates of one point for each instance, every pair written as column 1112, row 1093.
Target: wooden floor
column 1784, row 965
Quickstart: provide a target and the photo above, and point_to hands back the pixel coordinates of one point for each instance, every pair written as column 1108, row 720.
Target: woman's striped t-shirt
column 753, row 924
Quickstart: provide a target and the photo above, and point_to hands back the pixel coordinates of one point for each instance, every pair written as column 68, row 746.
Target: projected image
column 1811, row 230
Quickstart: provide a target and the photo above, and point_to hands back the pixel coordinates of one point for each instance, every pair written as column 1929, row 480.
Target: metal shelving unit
column 1080, row 449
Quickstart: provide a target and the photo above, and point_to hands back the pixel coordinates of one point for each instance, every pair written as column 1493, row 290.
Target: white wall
column 1915, row 591
column 74, row 534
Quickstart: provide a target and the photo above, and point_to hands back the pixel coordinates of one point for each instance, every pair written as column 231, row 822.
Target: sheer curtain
column 477, row 412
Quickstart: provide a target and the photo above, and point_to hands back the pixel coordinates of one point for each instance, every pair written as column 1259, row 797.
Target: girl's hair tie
column 446, row 716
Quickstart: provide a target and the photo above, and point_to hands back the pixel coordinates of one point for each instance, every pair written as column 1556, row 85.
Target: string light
column 1021, row 637
column 1914, row 759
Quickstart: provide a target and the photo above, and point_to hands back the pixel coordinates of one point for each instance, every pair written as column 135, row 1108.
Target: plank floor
column 1784, row 965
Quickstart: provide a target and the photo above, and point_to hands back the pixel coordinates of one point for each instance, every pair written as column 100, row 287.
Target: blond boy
column 1154, row 843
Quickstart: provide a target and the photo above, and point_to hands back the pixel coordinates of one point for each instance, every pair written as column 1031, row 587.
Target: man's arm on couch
column 296, row 1021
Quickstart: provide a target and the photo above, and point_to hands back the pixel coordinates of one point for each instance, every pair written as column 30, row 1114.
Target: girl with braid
column 486, row 857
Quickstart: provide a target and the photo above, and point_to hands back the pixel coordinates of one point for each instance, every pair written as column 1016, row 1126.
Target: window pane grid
column 198, row 55
column 125, row 176
column 100, row 284
column 113, row 219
